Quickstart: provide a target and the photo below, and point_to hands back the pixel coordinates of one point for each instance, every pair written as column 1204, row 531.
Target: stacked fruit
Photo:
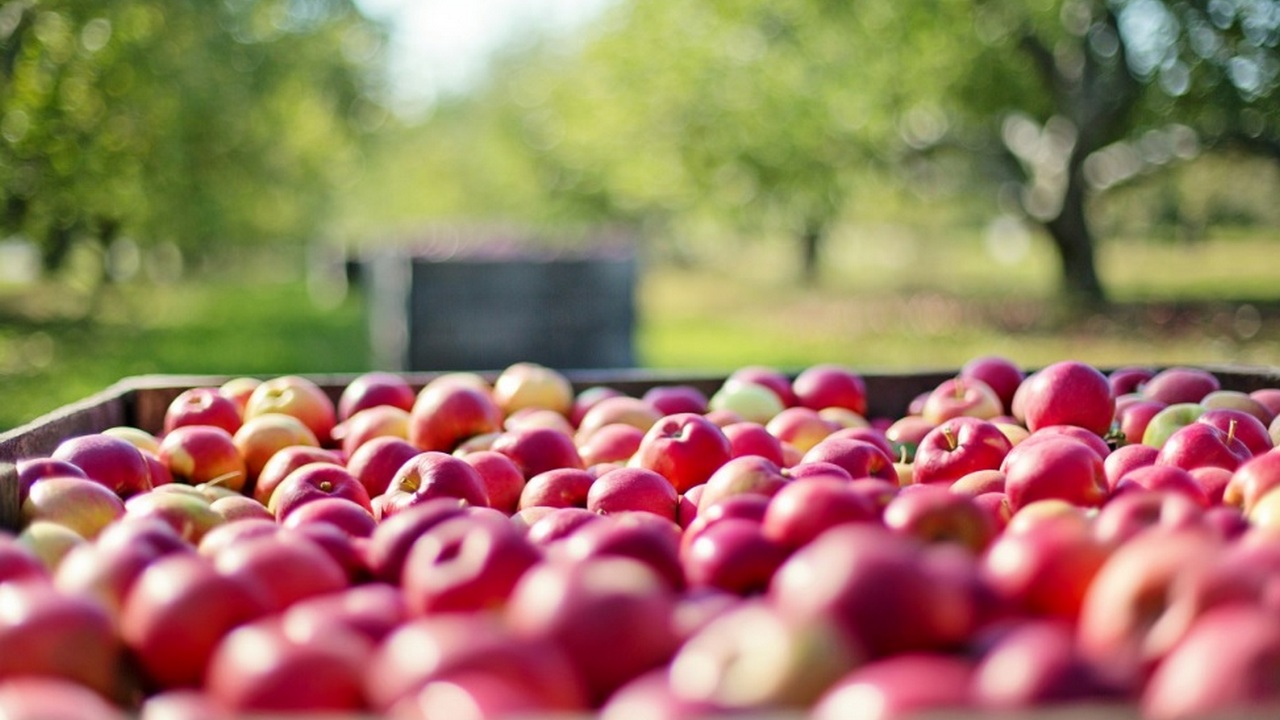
column 477, row 549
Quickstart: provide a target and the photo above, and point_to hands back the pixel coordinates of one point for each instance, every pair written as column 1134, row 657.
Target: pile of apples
column 477, row 549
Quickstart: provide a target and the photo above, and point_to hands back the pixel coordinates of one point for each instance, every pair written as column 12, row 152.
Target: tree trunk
column 810, row 252
column 1074, row 242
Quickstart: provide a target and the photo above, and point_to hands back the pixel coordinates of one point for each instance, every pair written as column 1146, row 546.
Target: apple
column 932, row 513
column 650, row 696
column 281, row 568
column 956, row 447
column 733, row 555
column 447, row 414
column 875, row 586
column 286, row 460
column 1239, row 424
column 156, row 622
column 685, row 448
column 672, row 399
column 998, row 372
column 238, row 390
column 1138, row 509
column 1199, row 444
column 629, row 489
column 464, row 565
column 905, row 434
column 240, row 507
column 1175, row 385
column 1133, row 418
column 49, row 542
column 557, row 488
column 374, row 389
column 44, row 631
column 558, row 523
column 373, row 610
column 370, row 423
column 800, row 427
column 374, row 463
column 536, row 450
column 1167, row 421
column 347, row 515
column 752, row 438
column 1045, row 567
column 1238, row 400
column 527, row 384
column 34, row 697
column 751, row 474
column 431, row 475
column 1126, row 458
column 189, row 513
column 589, row 610
column 28, row 470
column 892, row 687
column 961, row 397
column 261, row 667
column 503, row 481
column 111, row 461
column 137, row 437
column 1068, row 392
column 617, row 410
column 1129, row 379
column 196, row 454
column 1252, row 479
column 746, row 506
column 857, row 457
column 1213, row 480
column 392, row 539
column 80, row 504
column 1165, row 478
column 749, row 401
column 830, row 385
column 298, row 397
column 615, row 442
column 1269, row 398
column 1034, row 664
column 262, row 436
column 587, row 399
column 202, row 406
column 1061, row 468
column 315, row 481
column 18, row 562
column 638, row 536
column 978, row 482
column 772, row 378
column 752, row 657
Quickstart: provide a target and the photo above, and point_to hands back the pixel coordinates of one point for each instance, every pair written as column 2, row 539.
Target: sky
column 440, row 46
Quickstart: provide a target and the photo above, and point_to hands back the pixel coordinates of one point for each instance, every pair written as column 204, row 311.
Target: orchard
column 514, row 545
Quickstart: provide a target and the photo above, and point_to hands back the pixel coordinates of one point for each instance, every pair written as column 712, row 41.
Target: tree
column 192, row 122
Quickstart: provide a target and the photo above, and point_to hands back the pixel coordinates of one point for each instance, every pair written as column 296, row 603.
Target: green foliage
column 192, row 122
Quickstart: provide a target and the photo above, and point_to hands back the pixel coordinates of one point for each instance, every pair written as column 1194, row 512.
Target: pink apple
column 685, row 448
column 202, row 406
column 1253, row 479
column 1268, row 398
column 370, row 423
column 31, row 469
column 1067, row 393
column 615, row 442
column 44, row 631
column 1129, row 379
column 630, row 489
column 447, row 414
column 1136, row 510
column 1238, row 400
column 81, row 504
column 829, row 385
column 772, row 378
column 672, row 399
column 978, row 482
column 800, row 427
column 431, row 475
column 465, row 565
column 282, row 568
column 286, row 460
column 375, row 463
column 931, row 513
column 617, row 410
column 857, row 457
column 587, row 399
column 34, row 697
column 751, row 438
column 999, row 373
column 1165, row 478
column 315, row 481
column 1180, row 385
column 536, row 450
column 1126, row 458
column 503, row 481
column 961, row 397
column 1060, row 468
column 113, row 462
column 1237, row 423
column 1046, row 567
column 560, row 487
column 905, row 434
column 372, row 609
column 198, row 454
column 1033, row 664
column 347, row 515
column 957, row 447
column 733, row 555
column 559, row 523
column 638, row 536
column 298, row 397
column 1200, row 444
column 895, row 688
column 749, row 474
column 395, row 535
column 1134, row 417
column 373, row 389
column 18, row 562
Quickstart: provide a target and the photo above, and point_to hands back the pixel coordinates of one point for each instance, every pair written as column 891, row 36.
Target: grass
column 886, row 302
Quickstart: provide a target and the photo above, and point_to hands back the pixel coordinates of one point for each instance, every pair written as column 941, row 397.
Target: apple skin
column 1269, row 398
column 961, row 397
column 465, row 565
column 197, row 454
column 528, row 384
column 932, row 513
column 957, row 447
column 1253, row 479
column 18, row 562
column 857, row 457
column 431, row 475
column 202, row 406
column 1225, row 663
column 875, row 586
column 1167, row 421
column 830, row 385
column 503, row 481
column 1068, row 392
column 617, row 410
column 1000, row 373
column 800, row 427
column 751, row 438
column 34, row 697
column 392, row 539
column 372, row 609
column 238, row 390
column 557, row 488
column 559, row 523
column 1129, row 379
column 772, row 378
column 373, row 389
column 637, row 536
column 1238, row 400
column 187, row 512
column 375, row 463
column 1126, row 458
column 749, row 401
column 1136, row 510
column 31, row 469
column 671, row 399
column 651, row 696
column 1060, row 468
column 895, row 684
column 1181, row 385
column 804, row 509
column 751, row 474
column 746, row 506
column 111, row 461
column 49, row 542
column 537, row 449
column 445, row 415
column 1133, row 418
column 284, row 568
column 1164, row 478
column 348, row 516
column 314, row 481
column 615, row 442
column 1251, row 431
column 260, row 667
column 1095, row 442
column 587, row 399
column 592, row 608
column 298, row 397
column 285, row 461
column 171, row 650
column 978, row 482
column 1201, row 444
column 1045, row 567
column 733, row 555
column 629, row 489
column 1034, row 664
column 261, row 437
column 685, row 448
column 905, row 434
column 375, row 422
column 81, row 504
column 44, row 631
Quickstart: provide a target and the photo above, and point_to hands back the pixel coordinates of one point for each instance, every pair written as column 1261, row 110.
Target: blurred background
column 311, row 186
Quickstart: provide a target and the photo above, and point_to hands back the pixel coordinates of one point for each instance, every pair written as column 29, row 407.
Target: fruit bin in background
column 141, row 402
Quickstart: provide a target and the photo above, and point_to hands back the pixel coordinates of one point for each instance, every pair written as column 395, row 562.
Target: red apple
column 829, row 385
column 1268, row 398
column 298, row 397
column 238, row 390
column 18, row 562
column 1133, row 418
column 1126, row 458
column 1180, row 385
column 373, row 610
column 961, row 397
column 285, row 461
column 503, row 480
column 772, row 378
column 957, row 447
column 374, row 389
column 1238, row 400
column 615, row 442
column 905, row 434
column 1044, row 567
column 261, row 437
column 1165, row 478
column 1067, row 393
column 375, row 422
column 536, row 450
column 1237, row 423
column 347, row 515
column 282, row 568
column 465, row 565
column 999, row 373
column 314, row 481
column 857, row 457
column 375, row 463
column 81, row 504
column 587, row 399
column 156, row 623
column 1129, row 379
column 800, row 427
column 202, row 406
column 672, row 399
column 31, row 469
column 189, row 513
column 893, row 687
column 33, row 697
column 1035, row 664
column 629, row 489
column 685, row 448
column 749, row 474
column 638, row 536
column 617, row 410
column 1253, row 479
column 1060, row 468
column 431, row 475
column 558, row 523
column 557, row 488
column 733, row 555
column 751, row 438
column 445, row 415
column 932, row 513
column 978, row 482
column 1200, row 444
column 198, row 454
column 111, row 461
column 392, row 539
column 44, row 631
column 1136, row 510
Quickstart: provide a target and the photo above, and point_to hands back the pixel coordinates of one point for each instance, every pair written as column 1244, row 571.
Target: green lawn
column 909, row 306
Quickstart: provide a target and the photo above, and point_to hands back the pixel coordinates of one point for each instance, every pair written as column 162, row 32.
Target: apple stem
column 950, row 436
column 959, row 389
column 1231, row 431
